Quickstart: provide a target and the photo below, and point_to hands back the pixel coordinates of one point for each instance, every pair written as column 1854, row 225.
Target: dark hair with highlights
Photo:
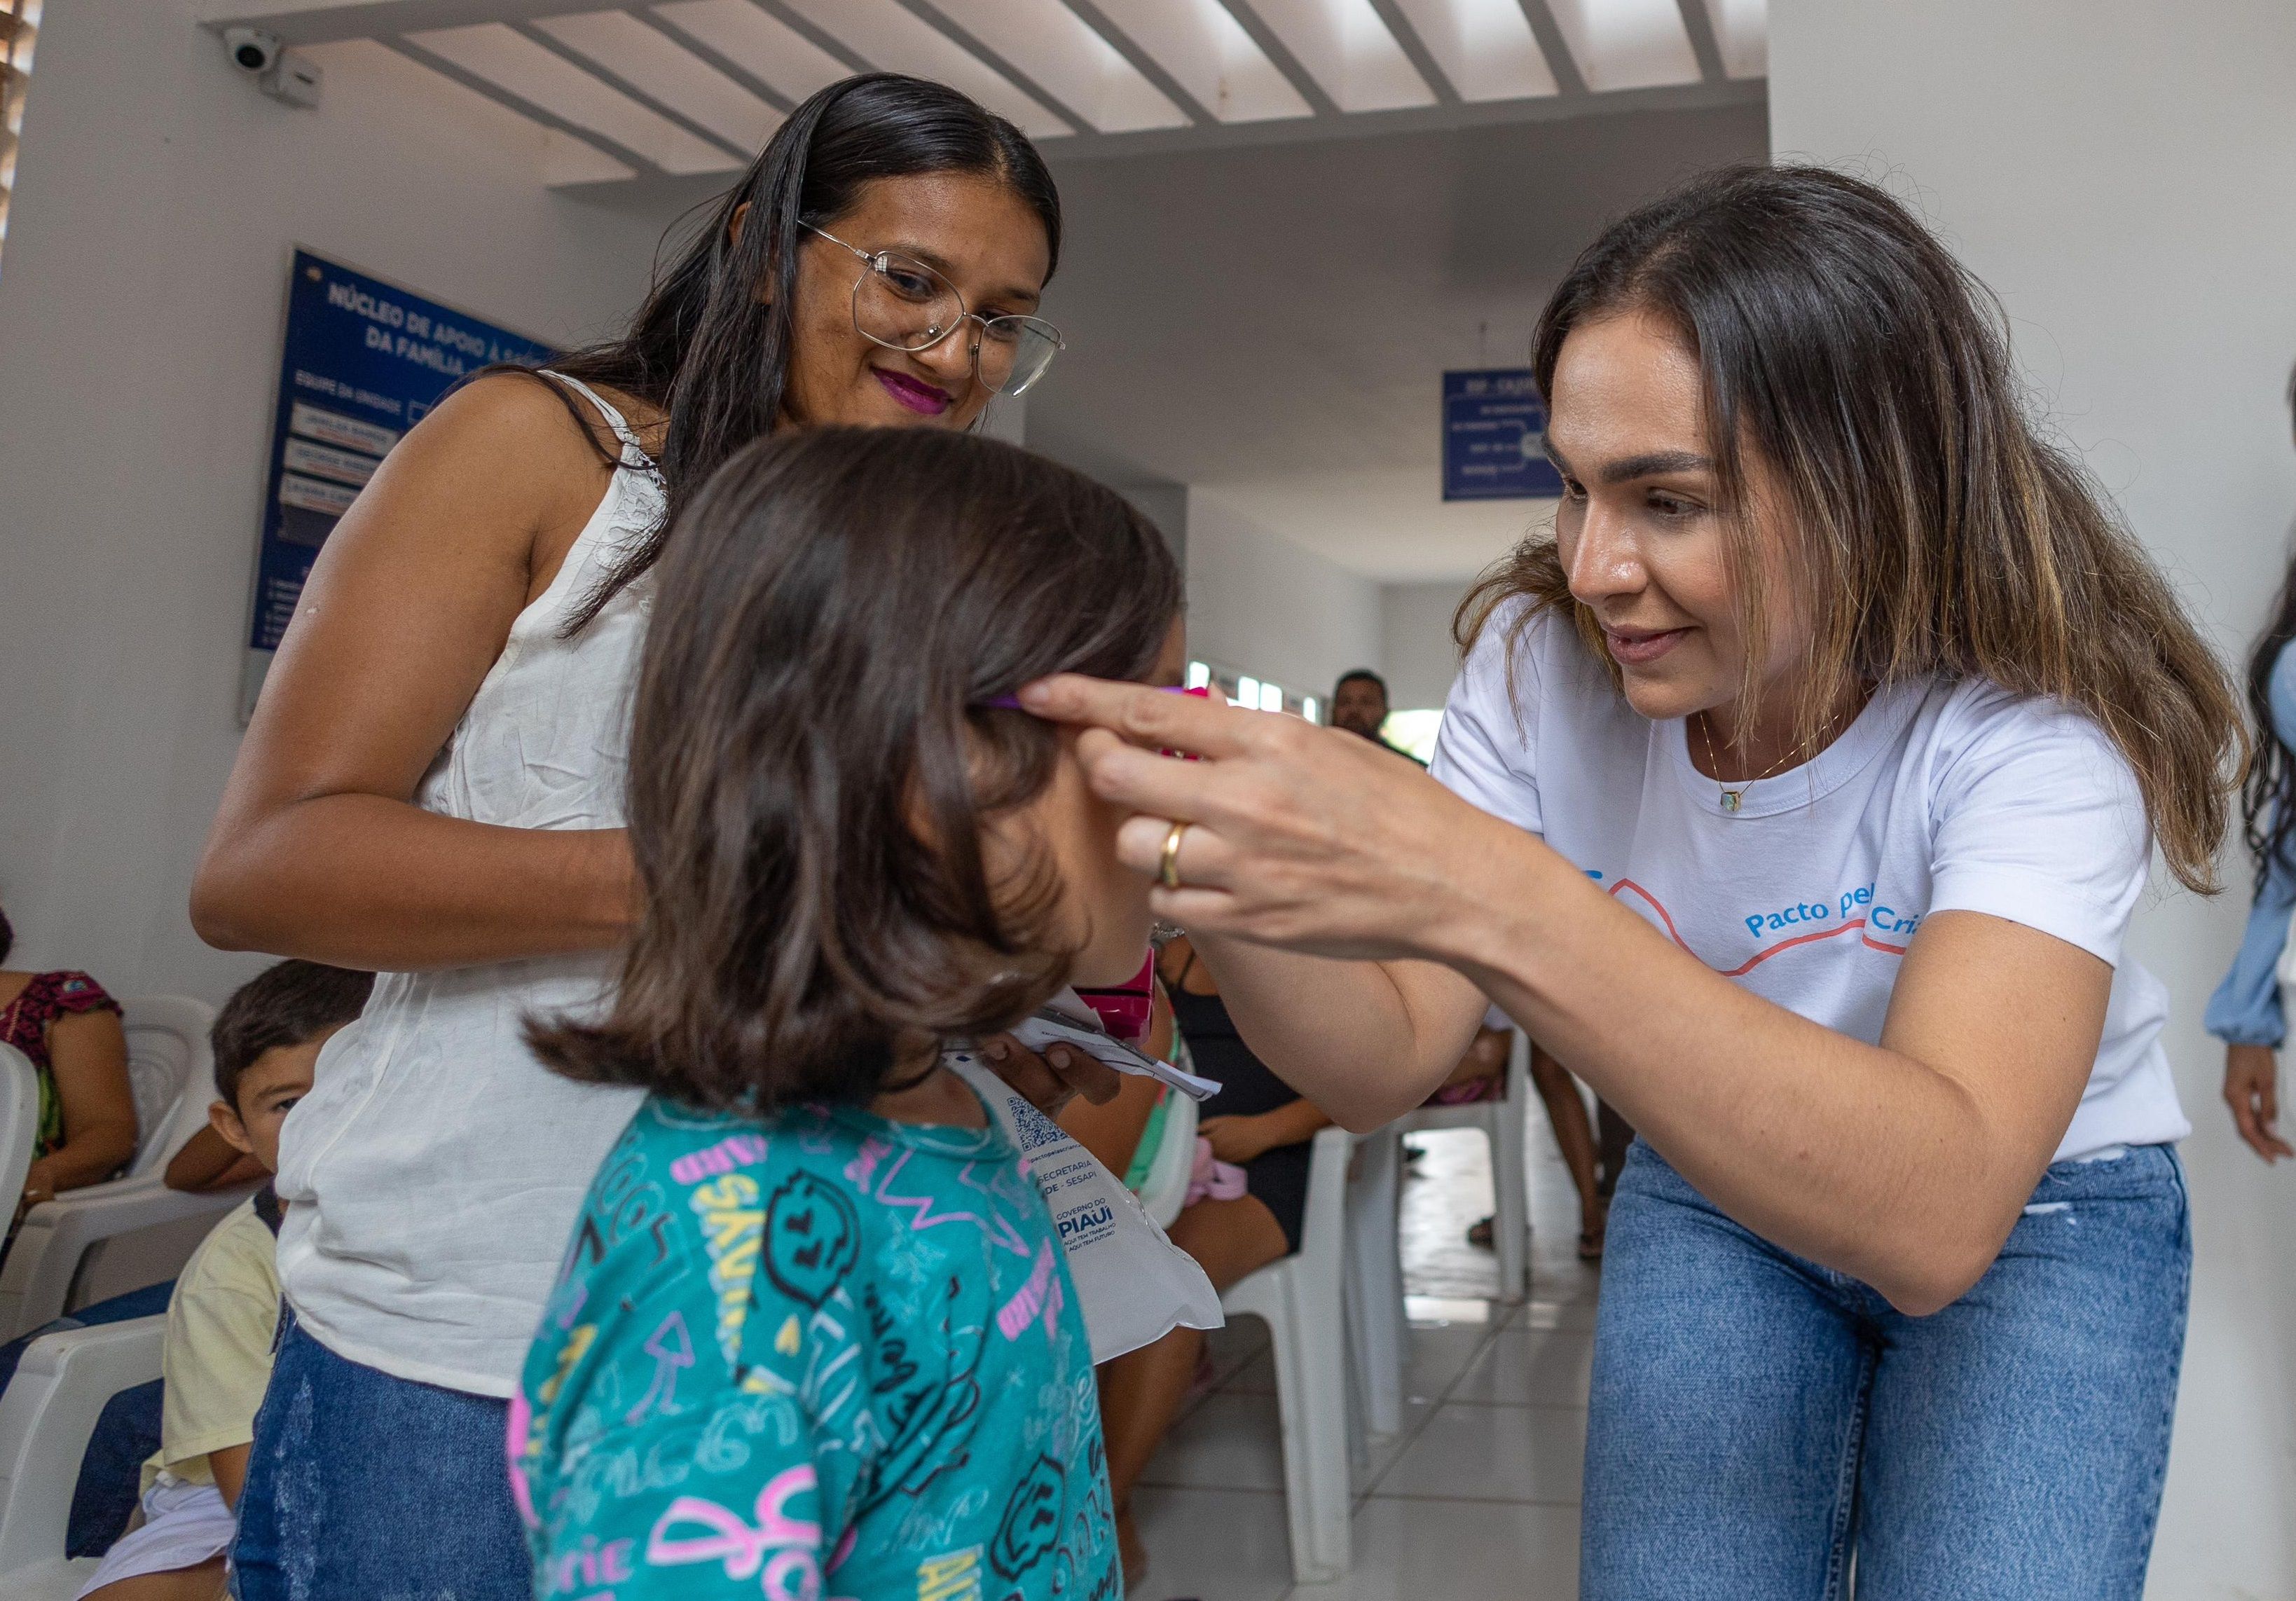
column 1931, row 528
column 711, row 346
column 287, row 1004
column 812, row 758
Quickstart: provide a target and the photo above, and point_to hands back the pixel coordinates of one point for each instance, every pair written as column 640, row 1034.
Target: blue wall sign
column 364, row 361
column 1495, row 437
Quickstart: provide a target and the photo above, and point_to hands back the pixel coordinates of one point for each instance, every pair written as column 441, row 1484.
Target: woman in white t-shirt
column 1799, row 790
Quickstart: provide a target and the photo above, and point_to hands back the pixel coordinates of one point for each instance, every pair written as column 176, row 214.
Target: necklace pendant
column 1730, row 800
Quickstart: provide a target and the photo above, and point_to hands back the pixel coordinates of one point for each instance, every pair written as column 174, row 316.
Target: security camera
column 288, row 76
column 254, row 51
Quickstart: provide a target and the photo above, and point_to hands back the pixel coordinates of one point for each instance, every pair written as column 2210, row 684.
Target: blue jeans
column 363, row 1486
column 1758, row 1420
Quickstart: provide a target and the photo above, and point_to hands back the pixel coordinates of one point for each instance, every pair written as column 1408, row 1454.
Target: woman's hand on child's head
column 1050, row 1081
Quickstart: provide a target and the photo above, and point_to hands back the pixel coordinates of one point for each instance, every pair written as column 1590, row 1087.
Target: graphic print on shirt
column 1878, row 926
column 898, row 1398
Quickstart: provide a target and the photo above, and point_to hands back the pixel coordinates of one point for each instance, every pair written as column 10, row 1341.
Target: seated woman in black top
column 1260, row 1124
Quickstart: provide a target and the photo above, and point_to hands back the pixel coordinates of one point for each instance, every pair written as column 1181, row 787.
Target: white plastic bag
column 1135, row 1287
column 1065, row 1019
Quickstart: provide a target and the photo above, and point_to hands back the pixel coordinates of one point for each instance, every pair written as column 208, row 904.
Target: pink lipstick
column 927, row 399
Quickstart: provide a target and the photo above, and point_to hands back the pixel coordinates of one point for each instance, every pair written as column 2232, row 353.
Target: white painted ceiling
column 1271, row 325
column 679, row 88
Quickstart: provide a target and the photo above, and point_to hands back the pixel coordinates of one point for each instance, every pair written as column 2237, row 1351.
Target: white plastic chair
column 1502, row 1122
column 1302, row 1298
column 19, row 1118
column 73, row 1250
column 1377, row 1327
column 46, row 1418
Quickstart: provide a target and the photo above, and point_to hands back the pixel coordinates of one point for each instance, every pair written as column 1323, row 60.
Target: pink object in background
column 1212, row 1179
column 1123, row 1009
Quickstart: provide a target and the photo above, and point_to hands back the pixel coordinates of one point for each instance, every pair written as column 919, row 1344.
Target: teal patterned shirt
column 822, row 1356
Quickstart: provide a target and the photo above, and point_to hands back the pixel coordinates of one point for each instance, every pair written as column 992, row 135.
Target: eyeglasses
column 902, row 304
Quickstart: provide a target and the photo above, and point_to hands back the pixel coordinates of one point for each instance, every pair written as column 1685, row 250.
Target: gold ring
column 1168, row 866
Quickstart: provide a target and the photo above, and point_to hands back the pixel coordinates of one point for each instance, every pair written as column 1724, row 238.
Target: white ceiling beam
column 1091, row 15
column 981, row 50
column 709, row 52
column 1272, row 46
column 534, row 71
column 1414, row 119
column 584, row 61
column 1698, row 22
column 1567, row 79
column 766, row 49
column 1045, row 45
column 644, row 165
column 896, row 39
column 1423, row 59
column 1627, row 44
column 1362, row 125
column 819, row 37
column 1351, row 50
column 324, row 21
column 1200, row 43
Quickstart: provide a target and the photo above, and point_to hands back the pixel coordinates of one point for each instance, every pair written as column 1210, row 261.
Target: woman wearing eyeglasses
column 431, row 787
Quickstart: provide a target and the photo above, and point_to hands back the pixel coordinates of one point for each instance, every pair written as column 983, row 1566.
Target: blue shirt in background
column 2245, row 1009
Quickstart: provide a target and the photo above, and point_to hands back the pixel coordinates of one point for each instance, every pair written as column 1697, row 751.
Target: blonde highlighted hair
column 1930, row 529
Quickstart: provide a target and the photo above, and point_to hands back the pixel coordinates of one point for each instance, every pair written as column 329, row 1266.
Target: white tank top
column 436, row 1167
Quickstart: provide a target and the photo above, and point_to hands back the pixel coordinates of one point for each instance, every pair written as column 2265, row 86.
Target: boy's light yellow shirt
column 216, row 1358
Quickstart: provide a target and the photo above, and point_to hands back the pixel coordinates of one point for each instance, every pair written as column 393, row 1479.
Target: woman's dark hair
column 2268, row 800
column 710, row 347
column 812, row 758
column 288, row 1003
column 7, row 936
column 1931, row 528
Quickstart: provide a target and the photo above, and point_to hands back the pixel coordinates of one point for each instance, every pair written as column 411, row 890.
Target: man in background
column 1359, row 705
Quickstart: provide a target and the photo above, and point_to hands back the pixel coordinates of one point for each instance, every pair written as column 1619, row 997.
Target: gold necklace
column 1733, row 798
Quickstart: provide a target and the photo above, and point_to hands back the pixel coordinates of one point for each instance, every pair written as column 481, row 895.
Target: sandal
column 1479, row 1235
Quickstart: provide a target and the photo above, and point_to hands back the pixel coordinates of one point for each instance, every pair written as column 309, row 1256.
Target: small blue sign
column 1495, row 437
column 364, row 361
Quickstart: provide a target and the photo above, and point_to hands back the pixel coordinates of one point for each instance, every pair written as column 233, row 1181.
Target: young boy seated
column 226, row 1310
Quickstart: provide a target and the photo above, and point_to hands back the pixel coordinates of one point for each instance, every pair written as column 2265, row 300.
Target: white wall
column 1261, row 603
column 1416, row 652
column 2119, row 171
column 141, row 300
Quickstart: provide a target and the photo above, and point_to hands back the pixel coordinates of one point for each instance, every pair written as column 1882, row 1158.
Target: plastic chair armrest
column 38, row 1276
column 46, row 1417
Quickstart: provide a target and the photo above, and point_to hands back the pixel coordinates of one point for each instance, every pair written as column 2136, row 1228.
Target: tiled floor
column 1479, row 1495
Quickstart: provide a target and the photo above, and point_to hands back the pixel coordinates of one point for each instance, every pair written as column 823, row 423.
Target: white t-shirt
column 1943, row 795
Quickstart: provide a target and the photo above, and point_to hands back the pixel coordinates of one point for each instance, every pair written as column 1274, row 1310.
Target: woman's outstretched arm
column 318, row 850
column 1395, row 903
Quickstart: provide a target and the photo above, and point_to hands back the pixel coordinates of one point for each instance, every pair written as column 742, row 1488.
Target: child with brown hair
column 814, row 1331
column 216, row 1358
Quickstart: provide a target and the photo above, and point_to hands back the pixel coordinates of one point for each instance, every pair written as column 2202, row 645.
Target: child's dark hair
column 288, row 1004
column 811, row 758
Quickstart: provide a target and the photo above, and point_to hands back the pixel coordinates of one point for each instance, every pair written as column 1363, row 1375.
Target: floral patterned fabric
column 24, row 1024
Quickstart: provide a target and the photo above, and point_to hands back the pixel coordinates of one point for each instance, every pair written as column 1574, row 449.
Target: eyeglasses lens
column 1015, row 352
column 905, row 305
